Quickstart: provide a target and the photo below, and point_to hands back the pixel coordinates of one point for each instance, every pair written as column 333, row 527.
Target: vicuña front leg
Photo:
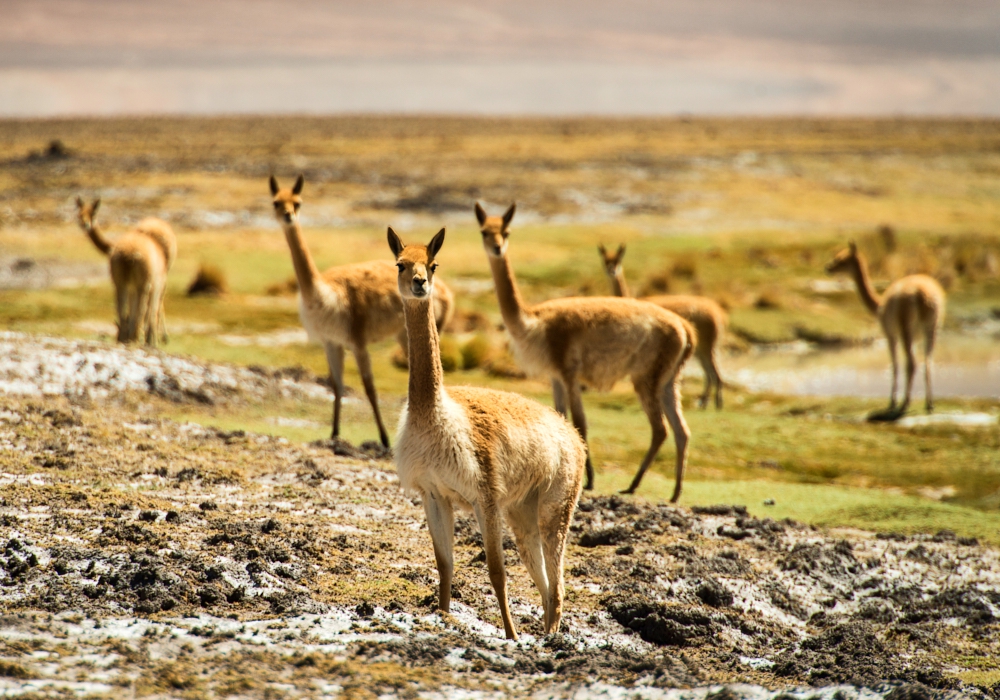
column 335, row 361
column 441, row 523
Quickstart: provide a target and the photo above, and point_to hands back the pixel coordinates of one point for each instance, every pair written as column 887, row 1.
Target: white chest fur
column 435, row 453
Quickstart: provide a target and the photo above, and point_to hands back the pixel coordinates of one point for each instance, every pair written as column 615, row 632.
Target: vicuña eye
column 400, row 266
column 434, row 267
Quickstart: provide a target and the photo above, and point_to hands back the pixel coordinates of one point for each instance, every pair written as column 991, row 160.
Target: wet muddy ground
column 157, row 558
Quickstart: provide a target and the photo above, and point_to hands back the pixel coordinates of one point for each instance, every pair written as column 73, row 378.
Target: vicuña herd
column 498, row 454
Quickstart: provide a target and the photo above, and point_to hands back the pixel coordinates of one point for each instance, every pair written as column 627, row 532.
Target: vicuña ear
column 79, row 201
column 274, row 186
column 93, row 207
column 435, row 245
column 620, row 254
column 601, row 250
column 395, row 244
column 298, row 185
column 480, row 214
column 508, row 215
column 853, row 246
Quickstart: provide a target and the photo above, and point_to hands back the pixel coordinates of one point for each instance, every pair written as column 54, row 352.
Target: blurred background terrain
column 848, row 57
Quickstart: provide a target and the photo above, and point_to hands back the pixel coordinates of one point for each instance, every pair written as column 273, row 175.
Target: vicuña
column 139, row 263
column 910, row 306
column 708, row 318
column 596, row 341
column 348, row 306
column 495, row 453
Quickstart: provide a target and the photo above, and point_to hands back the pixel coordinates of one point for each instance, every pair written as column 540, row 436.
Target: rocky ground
column 172, row 559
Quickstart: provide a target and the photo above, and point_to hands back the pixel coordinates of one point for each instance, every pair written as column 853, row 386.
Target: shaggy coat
column 500, row 455
column 595, row 342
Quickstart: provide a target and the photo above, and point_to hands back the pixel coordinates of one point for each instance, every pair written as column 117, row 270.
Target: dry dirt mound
column 177, row 558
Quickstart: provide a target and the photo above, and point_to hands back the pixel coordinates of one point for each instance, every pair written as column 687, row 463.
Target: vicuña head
column 416, row 265
column 287, row 201
column 86, row 212
column 495, row 230
column 846, row 260
column 612, row 262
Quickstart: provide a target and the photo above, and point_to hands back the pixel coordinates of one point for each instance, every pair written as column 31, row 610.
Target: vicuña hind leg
column 682, row 434
column 523, row 520
column 365, row 369
column 647, row 391
column 706, row 366
column 928, row 361
column 579, row 422
column 122, row 308
column 491, row 526
column 893, row 354
column 911, row 368
column 441, row 523
column 716, row 379
column 559, row 397
column 555, row 512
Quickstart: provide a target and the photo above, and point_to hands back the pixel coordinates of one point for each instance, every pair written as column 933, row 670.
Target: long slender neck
column 426, row 374
column 869, row 296
column 618, row 284
column 511, row 305
column 96, row 237
column 305, row 268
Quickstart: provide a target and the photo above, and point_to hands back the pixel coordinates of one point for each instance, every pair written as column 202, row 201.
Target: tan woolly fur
column 498, row 454
column 139, row 262
column 347, row 307
column 708, row 318
column 595, row 341
column 910, row 306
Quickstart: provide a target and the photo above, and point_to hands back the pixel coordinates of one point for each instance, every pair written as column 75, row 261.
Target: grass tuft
column 476, row 352
column 210, row 280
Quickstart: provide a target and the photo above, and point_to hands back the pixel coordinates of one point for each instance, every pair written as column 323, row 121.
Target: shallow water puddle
column 968, row 367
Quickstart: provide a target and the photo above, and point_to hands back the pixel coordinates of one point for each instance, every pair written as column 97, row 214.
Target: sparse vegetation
column 210, row 280
column 743, row 236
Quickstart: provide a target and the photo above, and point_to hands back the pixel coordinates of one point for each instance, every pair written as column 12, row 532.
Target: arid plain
column 745, row 211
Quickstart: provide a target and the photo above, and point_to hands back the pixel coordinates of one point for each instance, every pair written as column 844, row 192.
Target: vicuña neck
column 869, row 296
column 511, row 305
column 305, row 269
column 618, row 284
column 426, row 374
column 98, row 239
